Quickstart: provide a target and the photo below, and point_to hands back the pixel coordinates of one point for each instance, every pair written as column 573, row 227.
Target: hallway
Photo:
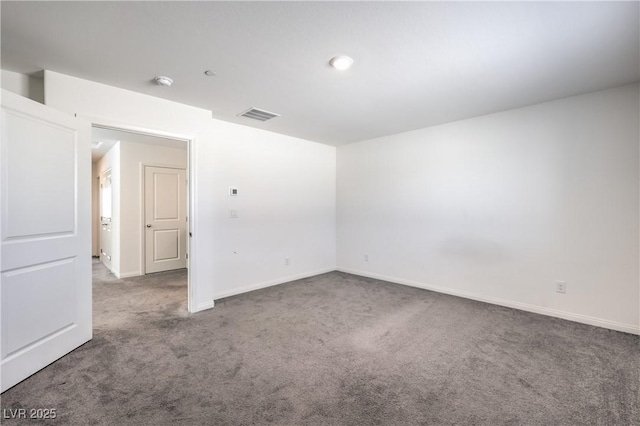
column 118, row 302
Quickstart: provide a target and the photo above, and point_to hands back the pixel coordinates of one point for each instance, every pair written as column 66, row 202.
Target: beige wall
column 133, row 156
column 126, row 161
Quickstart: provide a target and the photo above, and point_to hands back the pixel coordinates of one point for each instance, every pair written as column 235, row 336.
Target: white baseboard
column 203, row 306
column 598, row 322
column 264, row 284
column 112, row 270
column 127, row 274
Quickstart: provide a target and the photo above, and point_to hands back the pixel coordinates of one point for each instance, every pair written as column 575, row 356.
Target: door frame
column 101, row 123
column 143, row 208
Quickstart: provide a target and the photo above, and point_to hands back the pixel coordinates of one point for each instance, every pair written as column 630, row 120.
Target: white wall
column 286, row 207
column 23, row 85
column 495, row 208
column 15, row 82
column 499, row 207
column 111, row 160
column 132, row 158
column 287, row 188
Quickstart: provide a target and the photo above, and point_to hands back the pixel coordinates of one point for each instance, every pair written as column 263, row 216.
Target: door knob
column 148, row 226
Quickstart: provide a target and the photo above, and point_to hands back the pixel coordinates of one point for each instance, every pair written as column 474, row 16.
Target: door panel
column 53, row 148
column 45, row 292
column 166, row 196
column 166, row 245
column 165, row 219
column 39, row 311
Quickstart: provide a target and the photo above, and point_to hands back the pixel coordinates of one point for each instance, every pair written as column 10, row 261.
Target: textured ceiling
column 416, row 64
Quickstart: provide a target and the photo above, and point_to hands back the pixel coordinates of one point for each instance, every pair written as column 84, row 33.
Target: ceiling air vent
column 258, row 114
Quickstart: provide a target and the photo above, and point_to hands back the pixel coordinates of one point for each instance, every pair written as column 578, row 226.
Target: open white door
column 46, row 236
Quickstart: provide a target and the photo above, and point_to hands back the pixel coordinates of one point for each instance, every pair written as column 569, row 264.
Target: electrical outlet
column 561, row 286
column 366, row 257
column 286, row 261
column 233, row 213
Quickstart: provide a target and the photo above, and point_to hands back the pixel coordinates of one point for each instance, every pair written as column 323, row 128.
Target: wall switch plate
column 233, row 213
column 233, row 191
column 561, row 287
column 286, row 261
column 366, row 257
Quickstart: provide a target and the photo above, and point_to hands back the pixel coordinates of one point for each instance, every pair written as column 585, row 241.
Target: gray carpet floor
column 334, row 349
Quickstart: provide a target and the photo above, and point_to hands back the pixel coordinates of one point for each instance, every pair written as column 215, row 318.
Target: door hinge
column 186, row 255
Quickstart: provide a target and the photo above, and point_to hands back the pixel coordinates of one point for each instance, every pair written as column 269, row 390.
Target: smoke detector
column 164, row 81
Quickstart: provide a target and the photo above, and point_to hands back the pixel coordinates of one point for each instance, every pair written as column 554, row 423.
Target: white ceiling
column 109, row 137
column 416, row 63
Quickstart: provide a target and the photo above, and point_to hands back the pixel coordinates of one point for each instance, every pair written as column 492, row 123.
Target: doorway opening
column 141, row 222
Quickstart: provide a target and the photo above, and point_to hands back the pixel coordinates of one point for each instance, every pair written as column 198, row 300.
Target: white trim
column 127, row 275
column 107, row 124
column 270, row 283
column 110, row 269
column 161, row 165
column 584, row 319
column 203, row 306
column 192, row 287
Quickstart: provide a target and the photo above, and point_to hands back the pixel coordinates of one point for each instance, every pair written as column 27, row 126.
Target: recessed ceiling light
column 341, row 62
column 209, row 73
column 164, row 81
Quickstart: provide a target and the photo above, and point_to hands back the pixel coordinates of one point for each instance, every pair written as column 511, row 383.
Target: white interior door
column 165, row 219
column 46, row 236
column 106, row 199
